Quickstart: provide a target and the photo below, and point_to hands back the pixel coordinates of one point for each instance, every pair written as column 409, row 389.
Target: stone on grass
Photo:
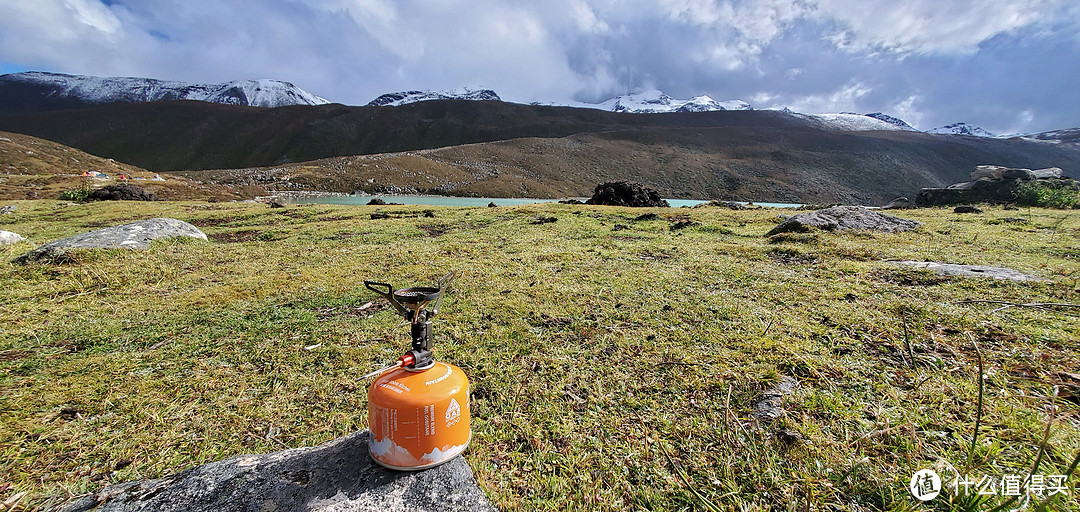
column 731, row 205
column 900, row 203
column 336, row 476
column 841, row 218
column 950, row 269
column 993, row 172
column 1049, row 173
column 769, row 405
column 135, row 235
column 967, row 208
column 8, row 209
column 9, row 238
column 1018, row 174
column 626, row 193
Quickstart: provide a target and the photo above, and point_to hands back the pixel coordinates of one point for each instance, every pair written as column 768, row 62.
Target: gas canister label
column 429, row 420
column 453, row 413
column 440, row 379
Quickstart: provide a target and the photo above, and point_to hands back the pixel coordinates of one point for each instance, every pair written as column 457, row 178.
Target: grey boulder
column 9, row 238
column 336, row 476
column 840, row 218
column 135, row 235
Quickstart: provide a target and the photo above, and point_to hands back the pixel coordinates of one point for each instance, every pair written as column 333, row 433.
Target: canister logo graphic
column 453, row 413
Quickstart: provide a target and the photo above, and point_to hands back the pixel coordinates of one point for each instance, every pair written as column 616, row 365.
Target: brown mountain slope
column 188, row 135
column 717, row 163
column 759, row 155
column 33, row 168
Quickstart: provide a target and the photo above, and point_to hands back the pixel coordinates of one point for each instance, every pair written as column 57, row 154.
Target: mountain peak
column 962, row 129
column 654, row 101
column 395, row 99
column 38, row 90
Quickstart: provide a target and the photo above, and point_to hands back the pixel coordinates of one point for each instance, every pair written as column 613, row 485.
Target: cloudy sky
column 1010, row 66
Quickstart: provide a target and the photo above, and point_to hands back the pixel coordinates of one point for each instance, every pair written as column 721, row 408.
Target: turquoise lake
column 480, row 201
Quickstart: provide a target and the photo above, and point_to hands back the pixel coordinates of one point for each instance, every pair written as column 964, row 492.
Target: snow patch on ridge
column 854, row 122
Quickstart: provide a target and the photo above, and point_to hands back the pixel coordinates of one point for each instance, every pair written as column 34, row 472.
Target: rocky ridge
column 37, row 91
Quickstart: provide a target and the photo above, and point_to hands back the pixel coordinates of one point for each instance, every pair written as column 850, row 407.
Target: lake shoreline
column 464, row 201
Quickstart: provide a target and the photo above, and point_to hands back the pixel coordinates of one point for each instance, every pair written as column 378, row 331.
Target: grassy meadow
column 615, row 362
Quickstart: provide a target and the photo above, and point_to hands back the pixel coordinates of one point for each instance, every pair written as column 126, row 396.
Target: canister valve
column 418, row 305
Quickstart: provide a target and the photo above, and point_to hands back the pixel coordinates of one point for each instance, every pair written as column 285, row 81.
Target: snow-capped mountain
column 962, row 129
column 36, row 88
column 892, row 120
column 852, row 122
column 395, row 99
column 1071, row 135
column 653, row 102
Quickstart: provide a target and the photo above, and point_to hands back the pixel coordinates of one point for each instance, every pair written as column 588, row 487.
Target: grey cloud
column 1005, row 65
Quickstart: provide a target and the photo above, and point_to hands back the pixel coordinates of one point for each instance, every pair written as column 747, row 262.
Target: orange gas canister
column 418, row 411
column 419, row 419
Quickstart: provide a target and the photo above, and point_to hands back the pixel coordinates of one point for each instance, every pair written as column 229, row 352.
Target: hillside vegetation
column 33, row 168
column 616, row 360
column 743, row 164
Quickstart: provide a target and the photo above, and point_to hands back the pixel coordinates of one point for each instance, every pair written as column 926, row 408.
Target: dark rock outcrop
column 967, row 208
column 336, row 476
column 121, row 192
column 626, row 193
column 992, row 184
column 840, row 218
column 135, row 235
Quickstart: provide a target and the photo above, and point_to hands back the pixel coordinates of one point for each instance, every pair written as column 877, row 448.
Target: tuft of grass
column 1034, row 193
column 610, row 369
column 80, row 193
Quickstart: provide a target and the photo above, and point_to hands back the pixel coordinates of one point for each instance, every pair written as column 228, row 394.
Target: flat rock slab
column 840, row 218
column 769, row 405
column 8, row 238
column 336, row 476
column 135, row 235
column 950, row 269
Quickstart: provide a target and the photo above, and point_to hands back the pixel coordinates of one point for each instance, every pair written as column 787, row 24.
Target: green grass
column 611, row 369
column 1034, row 193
